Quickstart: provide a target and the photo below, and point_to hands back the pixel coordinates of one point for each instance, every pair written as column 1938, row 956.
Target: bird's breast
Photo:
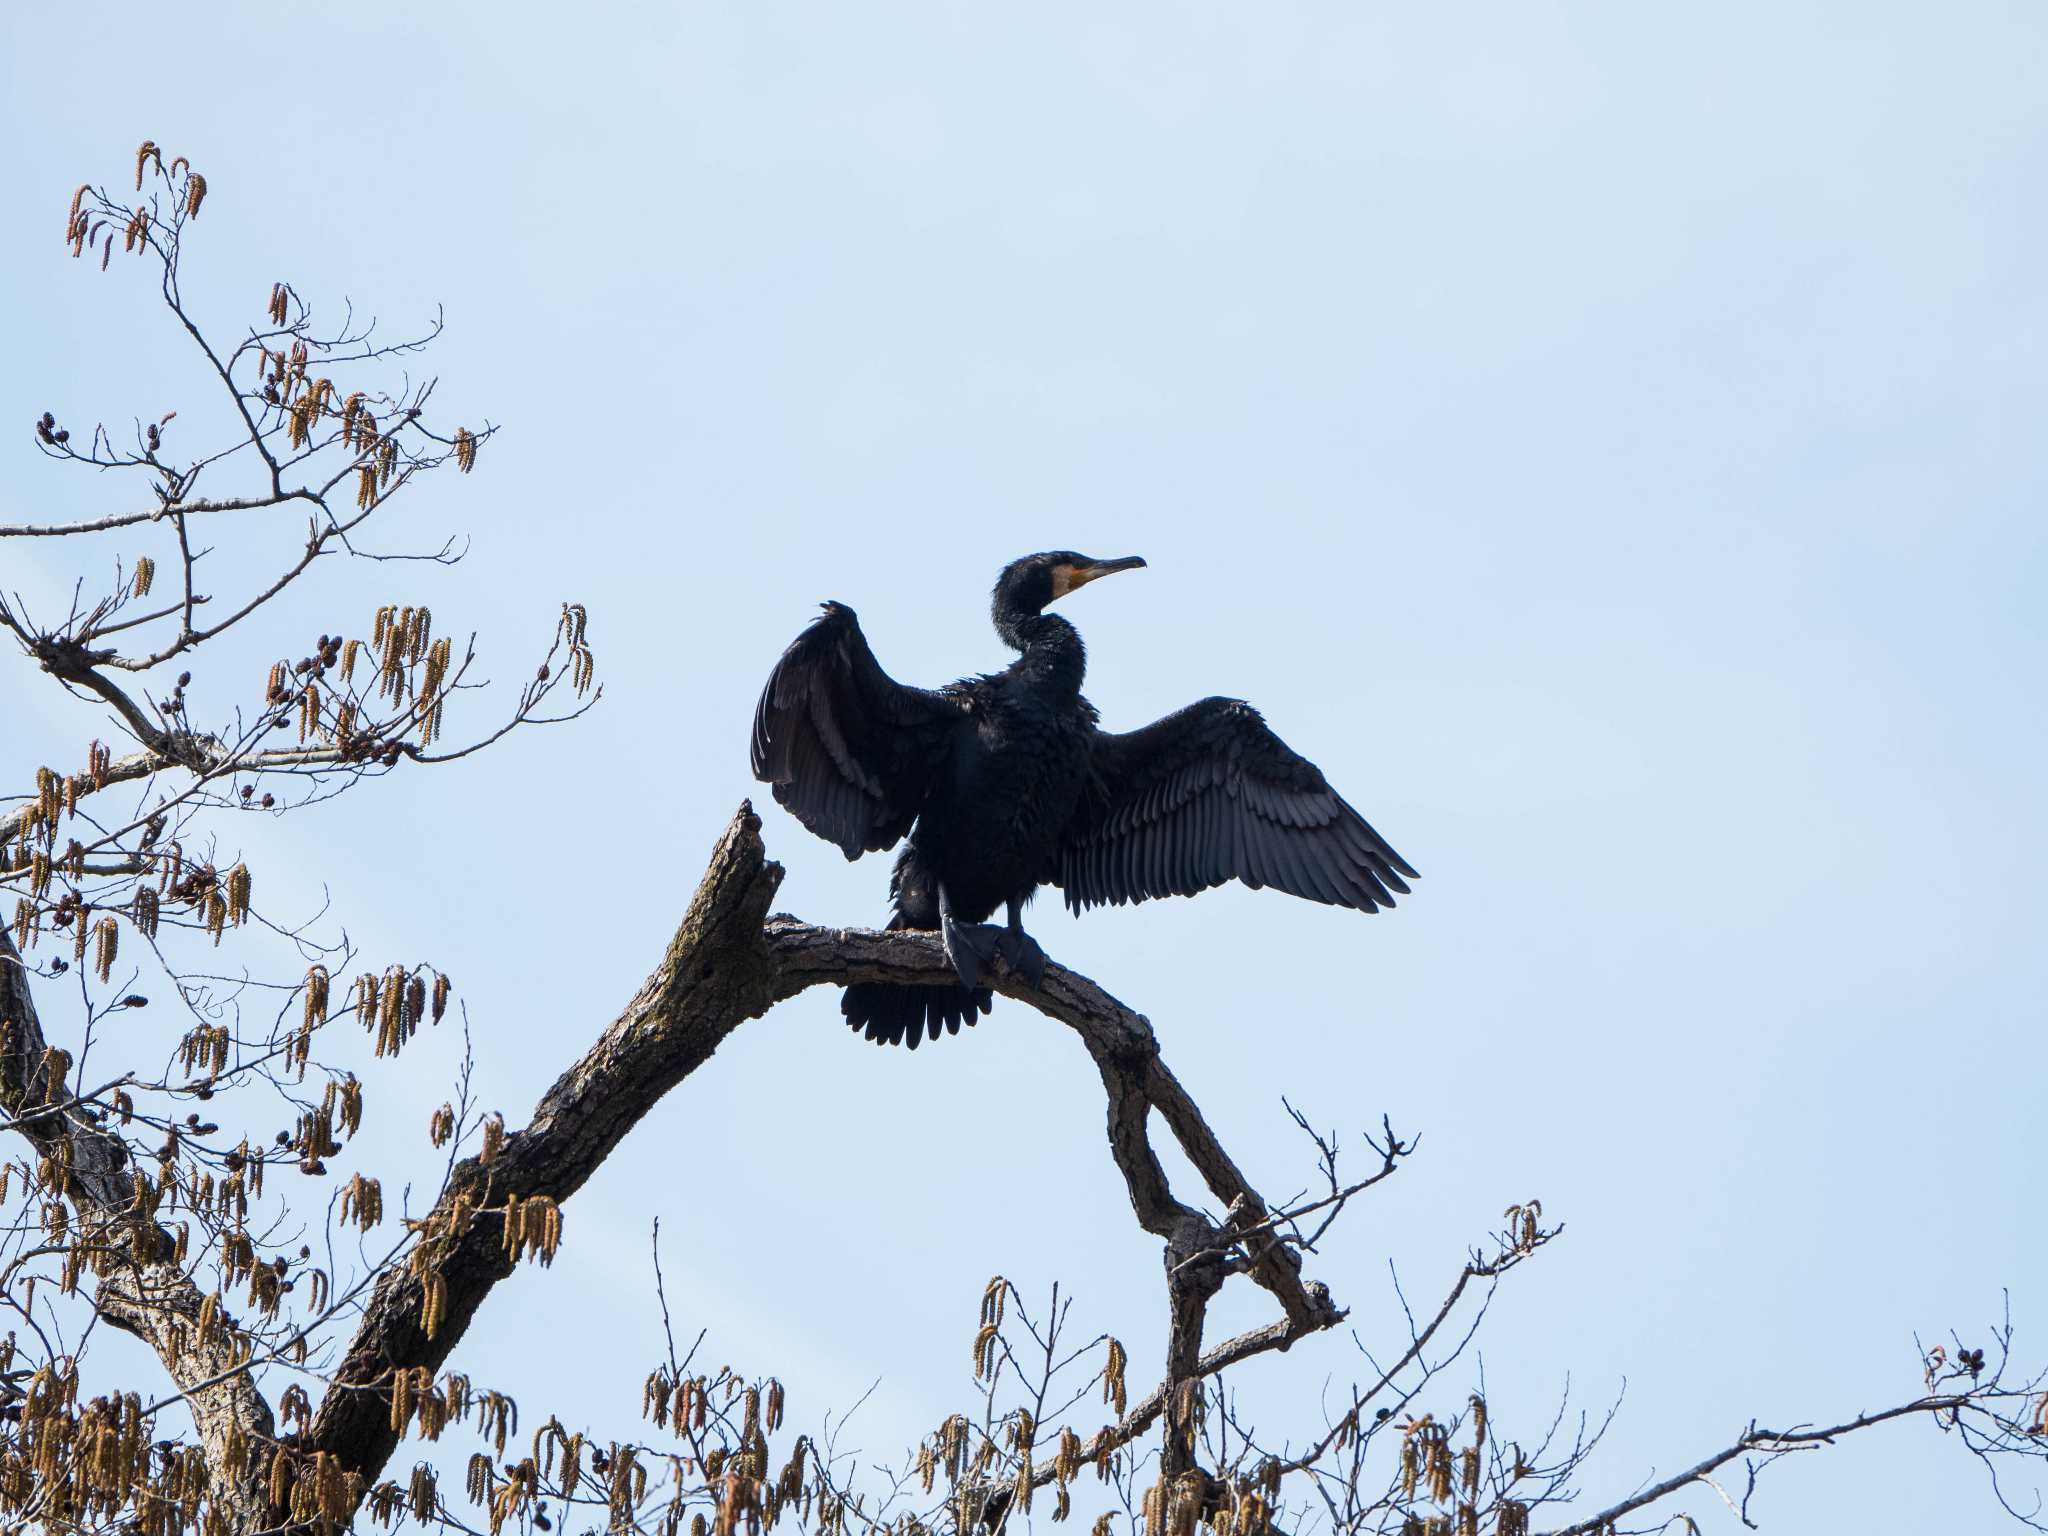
column 1010, row 792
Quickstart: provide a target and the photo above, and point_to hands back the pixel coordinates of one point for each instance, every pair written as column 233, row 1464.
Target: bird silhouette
column 1006, row 782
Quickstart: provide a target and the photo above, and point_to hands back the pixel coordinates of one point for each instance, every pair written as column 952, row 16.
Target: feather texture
column 846, row 749
column 1210, row 794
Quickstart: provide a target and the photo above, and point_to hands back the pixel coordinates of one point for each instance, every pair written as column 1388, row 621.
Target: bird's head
column 1028, row 585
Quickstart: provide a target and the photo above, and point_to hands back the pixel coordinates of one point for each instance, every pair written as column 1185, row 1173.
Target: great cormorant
column 1004, row 783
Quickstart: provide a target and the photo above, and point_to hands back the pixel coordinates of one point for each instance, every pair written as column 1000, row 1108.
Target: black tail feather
column 890, row 1014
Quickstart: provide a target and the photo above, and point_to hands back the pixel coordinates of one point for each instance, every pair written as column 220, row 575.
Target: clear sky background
column 1605, row 437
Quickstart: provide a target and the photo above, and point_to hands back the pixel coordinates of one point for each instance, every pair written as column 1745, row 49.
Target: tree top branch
column 729, row 962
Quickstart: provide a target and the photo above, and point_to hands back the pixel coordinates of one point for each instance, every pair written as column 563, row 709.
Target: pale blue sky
column 1605, row 437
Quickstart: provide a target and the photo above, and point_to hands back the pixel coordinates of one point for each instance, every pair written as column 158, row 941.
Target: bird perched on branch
column 1005, row 782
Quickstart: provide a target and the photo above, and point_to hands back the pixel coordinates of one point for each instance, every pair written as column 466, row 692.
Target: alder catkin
column 108, row 938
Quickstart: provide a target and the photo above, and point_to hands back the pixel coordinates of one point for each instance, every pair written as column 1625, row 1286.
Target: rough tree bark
column 729, row 962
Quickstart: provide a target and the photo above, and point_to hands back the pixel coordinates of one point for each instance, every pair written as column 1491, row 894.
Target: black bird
column 1004, row 783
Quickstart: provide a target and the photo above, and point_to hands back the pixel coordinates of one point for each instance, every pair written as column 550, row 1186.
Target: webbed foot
column 971, row 947
column 1022, row 954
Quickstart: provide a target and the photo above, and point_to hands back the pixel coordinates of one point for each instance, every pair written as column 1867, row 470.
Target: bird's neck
column 1051, row 647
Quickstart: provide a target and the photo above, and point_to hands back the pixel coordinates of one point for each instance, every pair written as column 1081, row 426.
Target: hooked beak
column 1111, row 567
column 1081, row 575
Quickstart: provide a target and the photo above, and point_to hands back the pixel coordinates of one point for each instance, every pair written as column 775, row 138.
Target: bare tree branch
column 727, row 963
column 148, row 1295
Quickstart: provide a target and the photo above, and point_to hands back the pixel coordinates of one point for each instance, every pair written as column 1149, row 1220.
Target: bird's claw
column 975, row 947
column 1022, row 954
column 970, row 946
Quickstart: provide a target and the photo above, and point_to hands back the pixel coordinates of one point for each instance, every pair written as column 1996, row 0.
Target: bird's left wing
column 848, row 750
column 1210, row 794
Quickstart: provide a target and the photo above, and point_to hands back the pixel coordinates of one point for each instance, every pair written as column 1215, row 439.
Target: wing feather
column 848, row 750
column 1210, row 794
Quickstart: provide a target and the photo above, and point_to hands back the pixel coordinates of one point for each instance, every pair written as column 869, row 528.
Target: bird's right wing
column 1207, row 795
column 849, row 751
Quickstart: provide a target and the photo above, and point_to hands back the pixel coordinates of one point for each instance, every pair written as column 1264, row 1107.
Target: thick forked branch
column 714, row 976
column 729, row 962
column 1126, row 1052
column 1135, row 1082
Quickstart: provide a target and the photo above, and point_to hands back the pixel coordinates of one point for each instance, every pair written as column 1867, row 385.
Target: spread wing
column 1210, row 794
column 849, row 751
